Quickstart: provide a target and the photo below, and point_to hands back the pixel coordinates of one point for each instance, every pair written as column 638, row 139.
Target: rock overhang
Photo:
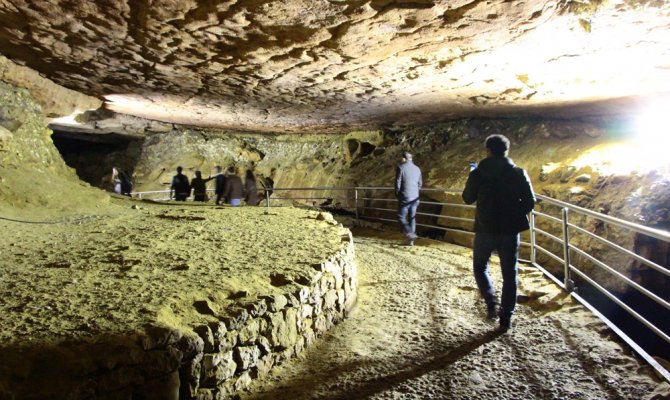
column 327, row 65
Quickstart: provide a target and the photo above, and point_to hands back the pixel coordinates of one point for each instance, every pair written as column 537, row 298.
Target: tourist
column 199, row 187
column 219, row 184
column 116, row 180
column 504, row 198
column 250, row 189
column 407, row 185
column 233, row 189
column 126, row 183
column 180, row 186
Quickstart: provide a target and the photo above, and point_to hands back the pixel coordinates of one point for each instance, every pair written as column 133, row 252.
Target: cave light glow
column 68, row 120
column 645, row 150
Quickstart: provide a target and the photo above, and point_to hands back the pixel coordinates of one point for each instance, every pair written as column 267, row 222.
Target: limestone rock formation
column 33, row 176
column 329, row 65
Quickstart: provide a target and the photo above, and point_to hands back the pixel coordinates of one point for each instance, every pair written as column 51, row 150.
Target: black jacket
column 220, row 184
column 250, row 192
column 233, row 188
column 503, row 194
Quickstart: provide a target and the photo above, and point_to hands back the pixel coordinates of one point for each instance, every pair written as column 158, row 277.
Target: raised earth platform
column 165, row 301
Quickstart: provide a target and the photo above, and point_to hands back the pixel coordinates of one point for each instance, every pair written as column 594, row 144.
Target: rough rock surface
column 54, row 100
column 33, row 176
column 278, row 65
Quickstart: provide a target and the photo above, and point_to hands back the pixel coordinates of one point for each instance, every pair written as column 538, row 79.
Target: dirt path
column 419, row 332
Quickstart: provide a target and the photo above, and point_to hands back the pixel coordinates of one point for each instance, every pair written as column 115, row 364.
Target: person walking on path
column 504, row 197
column 199, row 186
column 233, row 189
column 407, row 184
column 250, row 189
column 219, row 184
column 180, row 186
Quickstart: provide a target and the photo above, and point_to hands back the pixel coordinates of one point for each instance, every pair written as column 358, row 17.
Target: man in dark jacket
column 199, row 187
column 219, row 184
column 233, row 190
column 180, row 186
column 504, row 198
column 407, row 185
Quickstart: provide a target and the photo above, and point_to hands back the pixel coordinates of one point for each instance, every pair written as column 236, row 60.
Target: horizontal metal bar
column 550, row 254
column 621, row 276
column 549, row 274
column 378, row 219
column 311, row 198
column 468, row 206
column 648, row 358
column 623, row 250
column 621, row 304
column 378, row 209
column 455, row 205
column 442, row 228
column 378, row 199
column 551, row 217
column 313, row 188
column 549, row 235
column 446, row 217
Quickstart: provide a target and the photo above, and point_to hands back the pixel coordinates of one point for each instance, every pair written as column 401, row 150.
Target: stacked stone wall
column 219, row 359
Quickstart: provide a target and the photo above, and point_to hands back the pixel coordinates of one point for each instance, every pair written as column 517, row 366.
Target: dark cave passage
column 92, row 156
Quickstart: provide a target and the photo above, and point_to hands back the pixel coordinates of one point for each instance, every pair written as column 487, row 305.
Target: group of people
column 228, row 187
column 502, row 191
column 504, row 198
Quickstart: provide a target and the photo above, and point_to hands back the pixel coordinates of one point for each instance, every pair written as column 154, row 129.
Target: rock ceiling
column 308, row 65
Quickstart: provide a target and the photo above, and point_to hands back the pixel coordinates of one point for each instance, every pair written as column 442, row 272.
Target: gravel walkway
column 419, row 332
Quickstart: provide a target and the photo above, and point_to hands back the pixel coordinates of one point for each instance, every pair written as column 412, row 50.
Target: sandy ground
column 108, row 273
column 419, row 332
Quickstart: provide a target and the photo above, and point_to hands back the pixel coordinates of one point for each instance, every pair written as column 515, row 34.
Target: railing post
column 533, row 251
column 356, row 201
column 569, row 284
column 267, row 198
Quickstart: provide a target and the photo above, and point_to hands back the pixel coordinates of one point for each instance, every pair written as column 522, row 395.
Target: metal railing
column 363, row 204
column 158, row 195
column 366, row 203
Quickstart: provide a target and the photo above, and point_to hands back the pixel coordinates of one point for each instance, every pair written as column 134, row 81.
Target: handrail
column 361, row 208
column 655, row 233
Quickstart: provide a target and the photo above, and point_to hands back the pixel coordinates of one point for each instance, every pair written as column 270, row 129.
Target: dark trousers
column 407, row 216
column 180, row 196
column 507, row 247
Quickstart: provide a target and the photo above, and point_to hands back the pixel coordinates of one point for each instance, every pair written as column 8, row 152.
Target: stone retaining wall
column 220, row 359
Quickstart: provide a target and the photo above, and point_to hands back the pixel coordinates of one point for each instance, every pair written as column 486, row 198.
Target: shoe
column 492, row 311
column 409, row 242
column 505, row 325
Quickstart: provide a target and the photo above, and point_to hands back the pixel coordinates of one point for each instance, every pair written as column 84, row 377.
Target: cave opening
column 93, row 156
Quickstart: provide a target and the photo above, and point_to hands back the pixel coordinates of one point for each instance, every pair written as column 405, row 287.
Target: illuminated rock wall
column 33, row 176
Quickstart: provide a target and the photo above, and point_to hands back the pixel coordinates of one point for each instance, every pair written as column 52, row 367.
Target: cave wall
column 33, row 177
